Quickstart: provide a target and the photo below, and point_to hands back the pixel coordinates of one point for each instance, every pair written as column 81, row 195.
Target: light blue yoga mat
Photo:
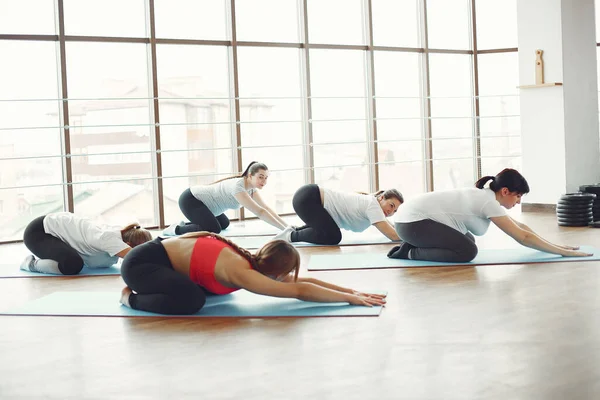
column 255, row 242
column 13, row 271
column 238, row 304
column 378, row 260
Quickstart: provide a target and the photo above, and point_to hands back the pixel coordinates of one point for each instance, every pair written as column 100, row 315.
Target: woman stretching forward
column 439, row 226
column 324, row 211
column 65, row 242
column 204, row 205
column 172, row 276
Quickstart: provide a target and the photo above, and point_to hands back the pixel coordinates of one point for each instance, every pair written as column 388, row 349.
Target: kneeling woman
column 324, row 211
column 205, row 205
column 439, row 226
column 64, row 242
column 173, row 276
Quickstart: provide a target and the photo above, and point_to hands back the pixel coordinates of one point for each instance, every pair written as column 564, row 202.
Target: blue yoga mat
column 238, row 304
column 13, row 271
column 255, row 242
column 377, row 260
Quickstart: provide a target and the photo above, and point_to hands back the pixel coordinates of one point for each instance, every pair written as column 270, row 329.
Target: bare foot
column 125, row 293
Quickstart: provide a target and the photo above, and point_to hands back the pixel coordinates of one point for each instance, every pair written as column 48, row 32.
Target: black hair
column 507, row 178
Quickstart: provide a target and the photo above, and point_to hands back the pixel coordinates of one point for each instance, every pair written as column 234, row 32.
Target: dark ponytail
column 507, row 178
column 251, row 169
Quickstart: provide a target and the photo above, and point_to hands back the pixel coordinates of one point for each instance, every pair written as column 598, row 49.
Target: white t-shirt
column 352, row 211
column 96, row 245
column 220, row 197
column 466, row 210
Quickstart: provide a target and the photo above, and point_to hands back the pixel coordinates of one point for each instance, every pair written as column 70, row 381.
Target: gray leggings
column 434, row 241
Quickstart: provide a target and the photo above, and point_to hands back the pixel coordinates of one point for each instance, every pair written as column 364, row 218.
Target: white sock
column 125, row 297
column 36, row 265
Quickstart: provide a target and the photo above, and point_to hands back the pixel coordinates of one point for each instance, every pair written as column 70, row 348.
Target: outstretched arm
column 388, row 230
column 247, row 202
column 331, row 286
column 255, row 282
column 531, row 239
column 528, row 229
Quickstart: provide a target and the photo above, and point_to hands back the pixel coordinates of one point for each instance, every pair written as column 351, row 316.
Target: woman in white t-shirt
column 439, row 226
column 204, row 205
column 64, row 242
column 324, row 211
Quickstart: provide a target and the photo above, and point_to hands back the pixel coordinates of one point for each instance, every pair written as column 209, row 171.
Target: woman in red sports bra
column 173, row 276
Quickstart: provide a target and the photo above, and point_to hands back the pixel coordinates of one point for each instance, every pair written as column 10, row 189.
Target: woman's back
column 219, row 196
column 96, row 245
column 465, row 209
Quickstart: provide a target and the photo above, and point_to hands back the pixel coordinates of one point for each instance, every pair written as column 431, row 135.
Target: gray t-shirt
column 220, row 197
column 352, row 211
column 466, row 210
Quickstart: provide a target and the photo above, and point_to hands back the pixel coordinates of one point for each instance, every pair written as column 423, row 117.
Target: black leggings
column 320, row 228
column 201, row 218
column 434, row 241
column 48, row 247
column 147, row 270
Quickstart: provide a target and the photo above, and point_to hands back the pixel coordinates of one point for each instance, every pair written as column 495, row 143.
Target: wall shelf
column 540, row 85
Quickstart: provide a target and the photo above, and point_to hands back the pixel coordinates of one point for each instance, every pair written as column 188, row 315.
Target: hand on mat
column 366, row 301
column 372, row 295
column 573, row 253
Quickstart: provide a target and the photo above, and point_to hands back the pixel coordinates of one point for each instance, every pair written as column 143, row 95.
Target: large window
column 118, row 116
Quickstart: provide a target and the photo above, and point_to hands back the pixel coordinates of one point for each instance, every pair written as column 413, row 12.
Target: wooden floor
column 490, row 332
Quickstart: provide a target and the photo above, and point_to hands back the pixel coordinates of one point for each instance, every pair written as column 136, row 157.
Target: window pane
column 280, row 190
column 453, row 174
column 407, row 177
column 451, row 100
column 18, row 207
column 30, row 137
column 195, row 115
column 110, row 115
column 338, row 155
column 397, row 85
column 345, row 179
column 448, row 24
column 105, row 18
column 493, row 165
column 338, row 91
column 267, row 20
column 191, row 19
column 269, row 81
column 499, row 109
column 16, row 17
column 339, row 131
column 117, row 203
column 496, row 24
column 323, row 14
column 395, row 23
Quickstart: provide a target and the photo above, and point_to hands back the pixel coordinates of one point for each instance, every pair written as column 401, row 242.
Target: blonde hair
column 134, row 235
column 275, row 259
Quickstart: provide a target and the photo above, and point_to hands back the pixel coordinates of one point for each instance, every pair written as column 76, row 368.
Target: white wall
column 559, row 124
column 580, row 93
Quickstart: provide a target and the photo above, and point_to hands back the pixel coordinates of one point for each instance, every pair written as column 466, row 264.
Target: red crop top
column 202, row 264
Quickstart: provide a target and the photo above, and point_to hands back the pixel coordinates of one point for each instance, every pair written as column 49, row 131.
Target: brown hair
column 387, row 194
column 274, row 259
column 134, row 235
column 251, row 169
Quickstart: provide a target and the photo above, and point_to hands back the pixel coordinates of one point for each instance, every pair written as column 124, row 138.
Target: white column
column 559, row 124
